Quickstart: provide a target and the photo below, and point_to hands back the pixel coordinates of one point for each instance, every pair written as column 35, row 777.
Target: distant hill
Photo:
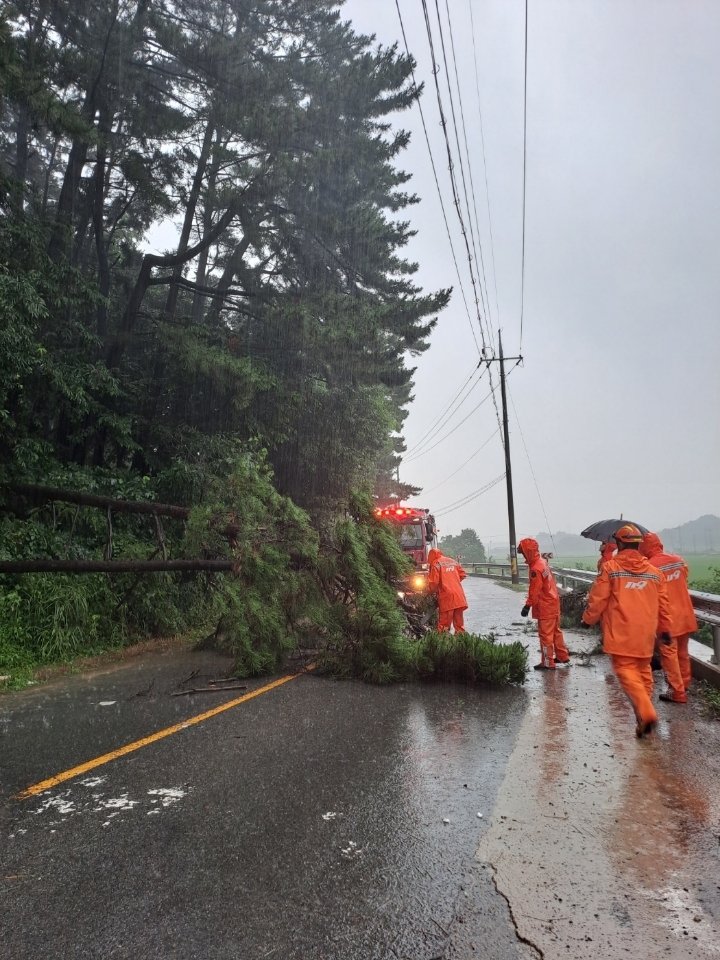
column 567, row 545
column 696, row 536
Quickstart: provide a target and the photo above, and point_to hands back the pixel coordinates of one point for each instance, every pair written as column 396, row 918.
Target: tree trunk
column 150, row 260
column 79, row 150
column 98, row 224
column 113, row 566
column 199, row 299
column 189, row 217
column 21, row 152
column 231, row 268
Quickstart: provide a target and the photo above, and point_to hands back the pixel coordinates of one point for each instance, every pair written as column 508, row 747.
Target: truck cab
column 414, row 541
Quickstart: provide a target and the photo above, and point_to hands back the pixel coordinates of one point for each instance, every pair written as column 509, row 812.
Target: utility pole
column 508, row 470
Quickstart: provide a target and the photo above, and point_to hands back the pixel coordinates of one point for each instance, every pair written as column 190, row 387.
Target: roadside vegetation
column 710, row 584
column 256, row 372
column 701, row 566
column 711, row 698
column 462, row 658
column 466, row 545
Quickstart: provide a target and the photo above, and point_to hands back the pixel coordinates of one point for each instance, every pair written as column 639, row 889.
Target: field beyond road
column 700, row 564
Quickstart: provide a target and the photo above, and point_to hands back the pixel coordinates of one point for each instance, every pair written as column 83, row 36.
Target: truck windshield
column 411, row 537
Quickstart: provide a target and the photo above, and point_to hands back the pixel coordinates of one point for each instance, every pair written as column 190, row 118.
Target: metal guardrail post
column 716, row 644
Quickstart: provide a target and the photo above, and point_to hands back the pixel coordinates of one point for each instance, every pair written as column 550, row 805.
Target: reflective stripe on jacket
column 676, row 576
column 631, row 596
column 445, row 577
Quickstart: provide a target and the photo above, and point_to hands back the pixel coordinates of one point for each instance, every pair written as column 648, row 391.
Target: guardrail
column 706, row 605
column 566, row 578
column 707, row 609
column 493, row 571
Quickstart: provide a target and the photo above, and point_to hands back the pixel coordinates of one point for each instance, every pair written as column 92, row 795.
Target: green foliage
column 469, row 658
column 258, row 368
column 46, row 619
column 462, row 658
column 466, row 545
column 290, row 325
column 369, row 637
column 274, row 547
column 709, row 584
column 711, row 697
column 47, row 363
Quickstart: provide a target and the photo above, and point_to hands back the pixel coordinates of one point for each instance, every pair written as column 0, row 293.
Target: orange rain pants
column 552, row 642
column 670, row 659
column 684, row 659
column 454, row 617
column 635, row 676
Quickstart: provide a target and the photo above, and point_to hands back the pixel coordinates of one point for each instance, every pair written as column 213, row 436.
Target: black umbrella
column 605, row 530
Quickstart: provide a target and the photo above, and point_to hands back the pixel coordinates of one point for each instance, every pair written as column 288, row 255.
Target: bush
column 330, row 584
column 461, row 658
column 704, row 634
column 470, row 658
column 46, row 618
column 572, row 606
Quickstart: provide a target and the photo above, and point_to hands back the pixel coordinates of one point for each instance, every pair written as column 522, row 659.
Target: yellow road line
column 153, row 738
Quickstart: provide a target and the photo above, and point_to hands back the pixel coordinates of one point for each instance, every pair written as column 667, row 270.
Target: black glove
column 665, row 638
column 586, row 625
column 525, row 611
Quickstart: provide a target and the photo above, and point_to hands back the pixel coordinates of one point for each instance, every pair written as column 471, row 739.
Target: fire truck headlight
column 419, row 582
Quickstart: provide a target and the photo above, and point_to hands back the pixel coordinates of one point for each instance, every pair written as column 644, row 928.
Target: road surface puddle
column 599, row 840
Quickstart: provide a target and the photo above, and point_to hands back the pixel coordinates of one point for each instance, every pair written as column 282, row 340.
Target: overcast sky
column 619, row 396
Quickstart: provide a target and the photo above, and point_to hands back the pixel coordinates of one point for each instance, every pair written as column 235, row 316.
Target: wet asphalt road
column 307, row 822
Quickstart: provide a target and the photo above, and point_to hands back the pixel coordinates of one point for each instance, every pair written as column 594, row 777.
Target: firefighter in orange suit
column 607, row 552
column 674, row 656
column 544, row 601
column 445, row 580
column 631, row 596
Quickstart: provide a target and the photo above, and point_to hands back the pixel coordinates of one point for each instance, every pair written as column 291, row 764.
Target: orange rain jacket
column 631, row 596
column 608, row 552
column 445, row 577
column 676, row 576
column 542, row 594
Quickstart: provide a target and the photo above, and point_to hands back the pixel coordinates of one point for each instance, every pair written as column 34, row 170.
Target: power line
column 477, row 249
column 419, row 441
column 453, row 181
column 491, row 393
column 537, row 488
column 469, row 498
column 443, row 439
column 451, row 168
column 482, row 141
column 472, row 457
column 522, row 278
column 437, row 181
column 418, row 446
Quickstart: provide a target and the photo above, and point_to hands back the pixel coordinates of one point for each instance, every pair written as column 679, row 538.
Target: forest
column 205, row 301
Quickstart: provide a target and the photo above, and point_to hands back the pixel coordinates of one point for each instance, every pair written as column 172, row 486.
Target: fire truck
column 414, row 541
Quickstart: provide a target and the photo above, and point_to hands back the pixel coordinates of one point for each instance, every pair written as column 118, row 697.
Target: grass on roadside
column 463, row 658
column 711, row 697
column 517, row 587
column 470, row 658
